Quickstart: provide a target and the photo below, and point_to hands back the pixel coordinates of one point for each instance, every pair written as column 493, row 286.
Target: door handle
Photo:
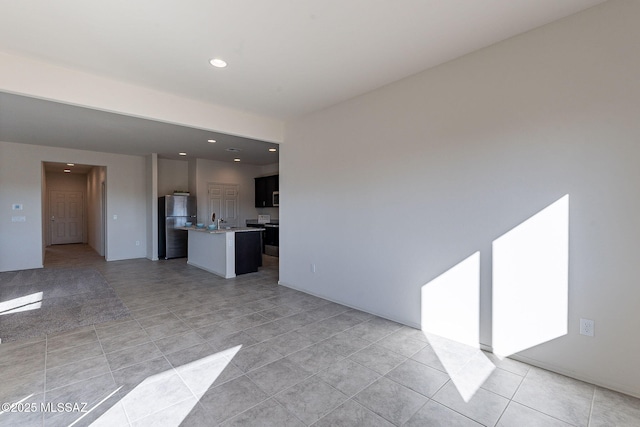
column 53, row 218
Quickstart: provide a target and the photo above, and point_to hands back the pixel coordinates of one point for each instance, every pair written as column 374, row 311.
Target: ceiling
column 286, row 58
column 34, row 121
column 74, row 168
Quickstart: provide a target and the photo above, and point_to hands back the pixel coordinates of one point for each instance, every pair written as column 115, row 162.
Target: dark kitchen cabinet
column 265, row 186
column 248, row 252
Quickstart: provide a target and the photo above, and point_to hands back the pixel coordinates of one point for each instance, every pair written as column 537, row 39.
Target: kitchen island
column 225, row 252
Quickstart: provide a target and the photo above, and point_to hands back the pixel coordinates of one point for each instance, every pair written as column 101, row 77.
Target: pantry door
column 223, row 201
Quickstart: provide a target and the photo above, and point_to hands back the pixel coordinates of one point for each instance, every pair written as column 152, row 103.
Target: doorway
column 74, row 206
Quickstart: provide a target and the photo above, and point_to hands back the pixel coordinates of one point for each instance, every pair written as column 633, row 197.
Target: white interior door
column 223, row 200
column 67, row 217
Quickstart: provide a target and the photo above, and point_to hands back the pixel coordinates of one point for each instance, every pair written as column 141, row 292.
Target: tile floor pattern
column 302, row 361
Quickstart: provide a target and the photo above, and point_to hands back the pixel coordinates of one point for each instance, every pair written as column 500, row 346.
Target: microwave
column 276, row 198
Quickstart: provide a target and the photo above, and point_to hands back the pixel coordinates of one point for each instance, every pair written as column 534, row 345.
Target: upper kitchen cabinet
column 265, row 187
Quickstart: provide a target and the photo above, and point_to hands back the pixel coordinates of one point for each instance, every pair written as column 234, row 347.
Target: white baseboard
column 577, row 375
column 384, row 316
column 549, row 367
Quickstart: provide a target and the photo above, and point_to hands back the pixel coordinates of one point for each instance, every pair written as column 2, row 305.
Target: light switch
column 115, row 217
column 16, row 206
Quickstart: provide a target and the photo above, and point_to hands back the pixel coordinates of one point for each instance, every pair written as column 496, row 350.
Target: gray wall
column 389, row 190
column 21, row 181
column 210, row 171
column 172, row 175
column 95, row 178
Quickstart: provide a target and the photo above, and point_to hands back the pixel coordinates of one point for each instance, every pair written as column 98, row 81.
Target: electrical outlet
column 137, row 242
column 586, row 327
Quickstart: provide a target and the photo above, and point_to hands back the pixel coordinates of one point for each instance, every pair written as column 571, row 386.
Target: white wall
column 192, row 179
column 389, row 190
column 172, row 175
column 95, row 178
column 271, row 169
column 21, row 182
column 152, row 206
column 227, row 173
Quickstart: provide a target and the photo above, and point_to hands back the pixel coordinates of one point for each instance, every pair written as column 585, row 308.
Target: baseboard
column 534, row 362
column 33, row 267
column 576, row 375
column 124, row 259
column 384, row 316
column 229, row 276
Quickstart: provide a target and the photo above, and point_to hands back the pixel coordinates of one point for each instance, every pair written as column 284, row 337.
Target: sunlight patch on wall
column 450, row 306
column 530, row 298
column 530, row 281
column 451, row 303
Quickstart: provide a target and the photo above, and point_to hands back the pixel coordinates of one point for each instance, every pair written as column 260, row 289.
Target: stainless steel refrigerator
column 174, row 211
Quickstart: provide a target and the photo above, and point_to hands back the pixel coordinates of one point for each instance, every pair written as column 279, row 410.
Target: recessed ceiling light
column 273, row 150
column 70, row 164
column 236, row 159
column 218, row 63
column 212, row 141
column 67, row 171
column 182, row 154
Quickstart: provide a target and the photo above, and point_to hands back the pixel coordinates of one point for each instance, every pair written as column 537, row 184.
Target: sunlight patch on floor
column 451, row 323
column 25, row 303
column 179, row 388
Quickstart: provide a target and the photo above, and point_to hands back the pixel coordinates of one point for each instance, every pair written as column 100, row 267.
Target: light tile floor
column 201, row 351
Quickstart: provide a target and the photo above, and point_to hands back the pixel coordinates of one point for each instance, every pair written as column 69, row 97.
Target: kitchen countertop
column 224, row 230
column 255, row 222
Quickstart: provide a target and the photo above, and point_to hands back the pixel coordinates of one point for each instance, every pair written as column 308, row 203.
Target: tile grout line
column 160, row 410
column 512, row 396
column 272, row 397
column 111, row 372
column 547, row 415
column 44, row 386
column 269, row 397
column 300, row 382
column 336, row 407
column 529, row 407
column 175, row 372
column 503, row 411
column 593, row 402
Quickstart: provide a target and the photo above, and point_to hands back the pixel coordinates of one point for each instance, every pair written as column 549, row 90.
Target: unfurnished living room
column 299, row 213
